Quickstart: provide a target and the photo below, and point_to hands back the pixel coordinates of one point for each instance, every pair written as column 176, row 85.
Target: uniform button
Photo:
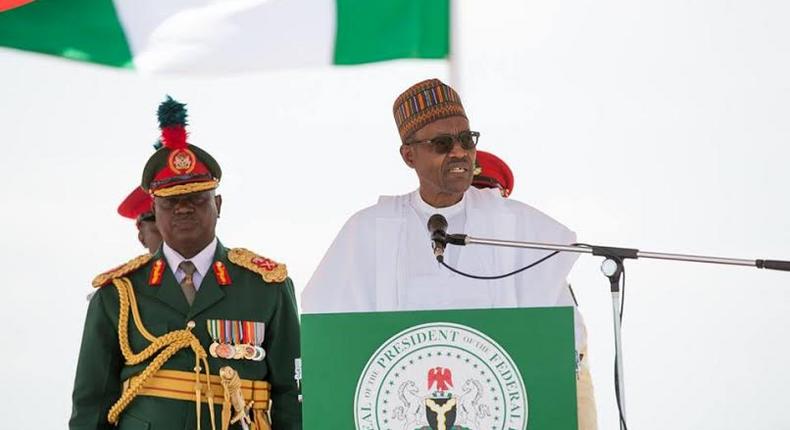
column 191, row 324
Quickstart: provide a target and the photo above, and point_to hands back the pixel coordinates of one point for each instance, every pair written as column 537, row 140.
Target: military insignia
column 214, row 330
column 221, row 273
column 212, row 350
column 225, row 351
column 157, row 272
column 236, row 340
column 478, row 170
column 270, row 270
column 249, row 352
column 182, row 161
column 123, row 269
column 441, row 376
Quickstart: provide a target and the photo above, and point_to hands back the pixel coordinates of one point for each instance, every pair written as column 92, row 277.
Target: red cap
column 137, row 203
column 492, row 172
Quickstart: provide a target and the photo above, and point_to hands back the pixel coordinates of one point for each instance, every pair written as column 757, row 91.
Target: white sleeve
column 343, row 280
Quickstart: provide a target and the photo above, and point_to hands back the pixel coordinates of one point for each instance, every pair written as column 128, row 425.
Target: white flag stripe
column 215, row 36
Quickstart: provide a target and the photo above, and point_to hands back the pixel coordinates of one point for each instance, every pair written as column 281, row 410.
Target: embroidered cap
column 424, row 103
column 178, row 167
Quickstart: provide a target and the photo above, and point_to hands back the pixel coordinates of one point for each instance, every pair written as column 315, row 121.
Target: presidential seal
column 440, row 376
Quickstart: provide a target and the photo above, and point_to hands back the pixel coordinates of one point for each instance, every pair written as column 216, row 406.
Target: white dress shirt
column 202, row 261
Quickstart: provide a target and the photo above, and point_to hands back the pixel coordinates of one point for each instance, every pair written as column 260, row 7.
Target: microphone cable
column 489, row 278
column 515, row 272
column 617, row 393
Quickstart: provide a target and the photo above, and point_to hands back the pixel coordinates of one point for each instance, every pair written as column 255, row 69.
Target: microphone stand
column 613, row 268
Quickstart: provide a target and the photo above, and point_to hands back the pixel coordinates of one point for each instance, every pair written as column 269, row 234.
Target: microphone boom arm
column 622, row 253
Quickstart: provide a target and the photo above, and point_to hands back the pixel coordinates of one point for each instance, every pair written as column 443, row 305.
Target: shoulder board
column 121, row 270
column 270, row 271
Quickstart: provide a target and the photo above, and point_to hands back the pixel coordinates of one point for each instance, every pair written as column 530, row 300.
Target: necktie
column 187, row 284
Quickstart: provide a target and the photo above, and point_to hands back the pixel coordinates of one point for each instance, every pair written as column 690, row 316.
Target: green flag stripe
column 86, row 30
column 379, row 30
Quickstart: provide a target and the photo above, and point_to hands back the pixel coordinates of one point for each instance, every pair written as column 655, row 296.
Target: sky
column 655, row 125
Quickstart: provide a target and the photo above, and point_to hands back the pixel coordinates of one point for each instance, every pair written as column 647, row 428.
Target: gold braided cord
column 169, row 344
column 138, row 322
column 193, row 187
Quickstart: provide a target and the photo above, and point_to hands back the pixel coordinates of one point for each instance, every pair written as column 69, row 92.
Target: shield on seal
column 441, row 413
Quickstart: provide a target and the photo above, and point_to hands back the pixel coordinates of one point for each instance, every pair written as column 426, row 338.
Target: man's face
column 443, row 177
column 187, row 222
column 149, row 235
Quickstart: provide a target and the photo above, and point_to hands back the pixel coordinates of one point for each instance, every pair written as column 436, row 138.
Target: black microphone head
column 437, row 222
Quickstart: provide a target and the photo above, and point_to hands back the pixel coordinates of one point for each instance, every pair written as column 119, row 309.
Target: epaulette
column 121, row 270
column 270, row 271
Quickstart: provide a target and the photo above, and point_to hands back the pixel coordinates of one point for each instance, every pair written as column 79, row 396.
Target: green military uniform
column 163, row 308
column 149, row 359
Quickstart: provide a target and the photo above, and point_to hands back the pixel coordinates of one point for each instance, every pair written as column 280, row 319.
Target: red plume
column 174, row 137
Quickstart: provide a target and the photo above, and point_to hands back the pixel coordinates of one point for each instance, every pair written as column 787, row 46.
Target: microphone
column 437, row 226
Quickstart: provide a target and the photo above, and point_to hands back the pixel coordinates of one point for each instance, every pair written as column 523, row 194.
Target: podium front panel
column 479, row 369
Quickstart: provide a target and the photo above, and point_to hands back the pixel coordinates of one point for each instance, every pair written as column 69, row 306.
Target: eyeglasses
column 194, row 199
column 443, row 143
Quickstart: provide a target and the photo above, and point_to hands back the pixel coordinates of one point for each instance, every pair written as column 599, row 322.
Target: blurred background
column 656, row 125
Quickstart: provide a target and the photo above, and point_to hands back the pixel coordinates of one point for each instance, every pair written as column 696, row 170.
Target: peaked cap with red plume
column 178, row 167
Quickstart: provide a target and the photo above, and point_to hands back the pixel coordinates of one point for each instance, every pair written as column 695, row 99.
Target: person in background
column 491, row 172
column 138, row 205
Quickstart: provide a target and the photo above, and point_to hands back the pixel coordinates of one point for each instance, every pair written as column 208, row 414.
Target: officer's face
column 187, row 222
column 148, row 235
column 443, row 177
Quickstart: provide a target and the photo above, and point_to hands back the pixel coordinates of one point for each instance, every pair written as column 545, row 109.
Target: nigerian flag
column 216, row 36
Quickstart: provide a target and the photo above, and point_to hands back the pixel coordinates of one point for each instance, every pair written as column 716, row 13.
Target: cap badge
column 182, row 161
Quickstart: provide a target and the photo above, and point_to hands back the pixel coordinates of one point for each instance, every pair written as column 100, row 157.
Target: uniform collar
column 202, row 260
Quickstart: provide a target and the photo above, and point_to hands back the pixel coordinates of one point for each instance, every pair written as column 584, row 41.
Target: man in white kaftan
column 382, row 258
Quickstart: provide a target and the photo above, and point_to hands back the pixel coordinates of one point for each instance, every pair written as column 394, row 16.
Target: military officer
column 197, row 335
column 138, row 205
